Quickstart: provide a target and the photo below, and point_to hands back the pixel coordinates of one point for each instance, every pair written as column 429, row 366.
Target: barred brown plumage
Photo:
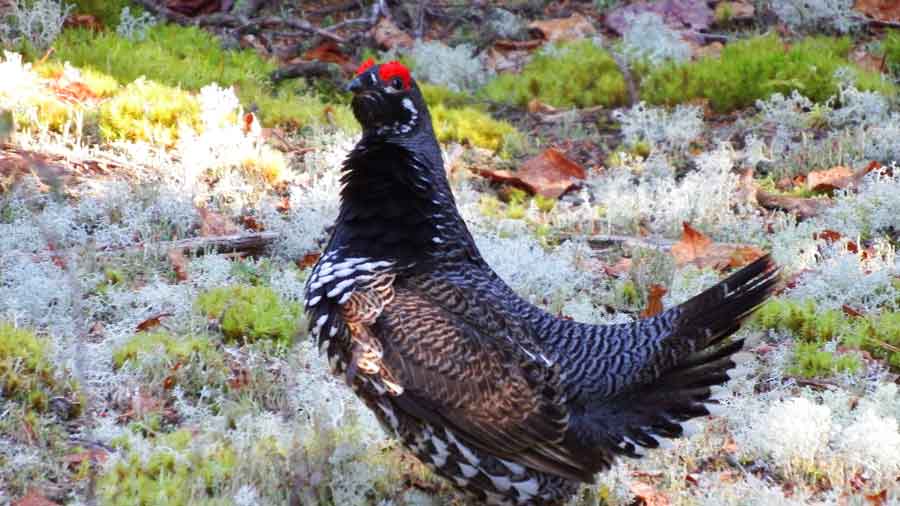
column 511, row 404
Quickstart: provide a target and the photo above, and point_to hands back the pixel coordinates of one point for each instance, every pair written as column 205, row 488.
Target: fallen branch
column 241, row 23
column 305, row 69
column 251, row 243
column 803, row 207
column 661, row 244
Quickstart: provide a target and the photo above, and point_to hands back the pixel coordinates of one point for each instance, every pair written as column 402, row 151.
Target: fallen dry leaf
column 692, row 245
column 194, row 7
column 802, row 207
column 308, row 260
column 179, row 263
column 327, row 51
column 549, row 174
column 573, row 27
column 879, row 499
column 88, row 21
column 618, row 269
column 34, row 498
column 152, row 322
column 536, row 106
column 92, row 455
column 654, row 301
column 851, row 311
column 828, row 235
column 648, row 494
column 696, row 248
column 828, row 180
column 880, row 10
column 867, row 60
column 388, row 35
column 214, row 224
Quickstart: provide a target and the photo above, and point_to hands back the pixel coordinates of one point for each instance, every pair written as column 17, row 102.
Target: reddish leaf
column 550, row 174
column 309, row 260
column 34, row 498
column 92, row 455
column 881, row 10
column 88, row 21
column 573, row 27
column 536, row 106
column 152, row 322
column 213, row 224
column 692, row 245
column 388, row 35
column 179, row 263
column 828, row 235
column 648, row 495
column 830, row 179
column 327, row 51
column 654, row 301
column 879, row 499
column 850, row 311
column 619, row 268
column 803, row 208
column 194, row 7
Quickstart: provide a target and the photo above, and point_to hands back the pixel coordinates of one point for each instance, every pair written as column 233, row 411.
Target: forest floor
column 168, row 176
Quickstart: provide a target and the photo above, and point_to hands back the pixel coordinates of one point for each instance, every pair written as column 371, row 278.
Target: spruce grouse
column 512, row 405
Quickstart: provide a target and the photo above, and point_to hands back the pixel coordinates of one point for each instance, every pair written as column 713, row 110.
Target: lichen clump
column 251, row 313
column 26, row 373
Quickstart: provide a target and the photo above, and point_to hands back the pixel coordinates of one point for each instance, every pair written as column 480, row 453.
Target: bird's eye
column 396, row 83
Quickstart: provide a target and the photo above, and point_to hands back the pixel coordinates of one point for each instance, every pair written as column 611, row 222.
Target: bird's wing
column 460, row 363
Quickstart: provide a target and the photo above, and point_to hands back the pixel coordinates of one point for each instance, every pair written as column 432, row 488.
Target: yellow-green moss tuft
column 191, row 58
column 174, row 469
column 470, row 125
column 251, row 313
column 575, row 74
column 149, row 111
column 753, row 69
column 26, row 373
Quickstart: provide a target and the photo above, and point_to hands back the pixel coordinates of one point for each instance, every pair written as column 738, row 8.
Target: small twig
column 601, row 240
column 242, row 24
column 334, row 9
column 304, row 69
column 633, row 96
column 253, row 242
column 419, row 25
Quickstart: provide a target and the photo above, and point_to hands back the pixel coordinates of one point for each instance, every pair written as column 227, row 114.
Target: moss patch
column 576, row 74
column 878, row 335
column 251, row 313
column 149, row 111
column 190, row 58
column 174, row 469
column 26, row 373
column 754, row 69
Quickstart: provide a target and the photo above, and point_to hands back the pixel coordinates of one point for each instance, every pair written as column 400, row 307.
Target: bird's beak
column 354, row 86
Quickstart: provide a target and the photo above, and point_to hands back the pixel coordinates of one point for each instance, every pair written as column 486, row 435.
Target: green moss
column 149, row 111
column 175, row 469
column 455, row 121
column 755, row 68
column 26, row 374
column 175, row 349
column 877, row 334
column 575, row 74
column 891, row 45
column 251, row 313
column 190, row 58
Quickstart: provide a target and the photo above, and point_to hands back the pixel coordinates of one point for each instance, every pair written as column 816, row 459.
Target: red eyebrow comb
column 366, row 65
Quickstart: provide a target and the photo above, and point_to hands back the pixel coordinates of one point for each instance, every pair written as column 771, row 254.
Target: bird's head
column 386, row 100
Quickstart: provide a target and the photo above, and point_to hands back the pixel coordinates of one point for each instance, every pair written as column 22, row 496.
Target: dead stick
column 249, row 243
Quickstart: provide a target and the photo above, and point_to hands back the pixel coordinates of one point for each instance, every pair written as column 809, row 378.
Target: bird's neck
column 396, row 204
